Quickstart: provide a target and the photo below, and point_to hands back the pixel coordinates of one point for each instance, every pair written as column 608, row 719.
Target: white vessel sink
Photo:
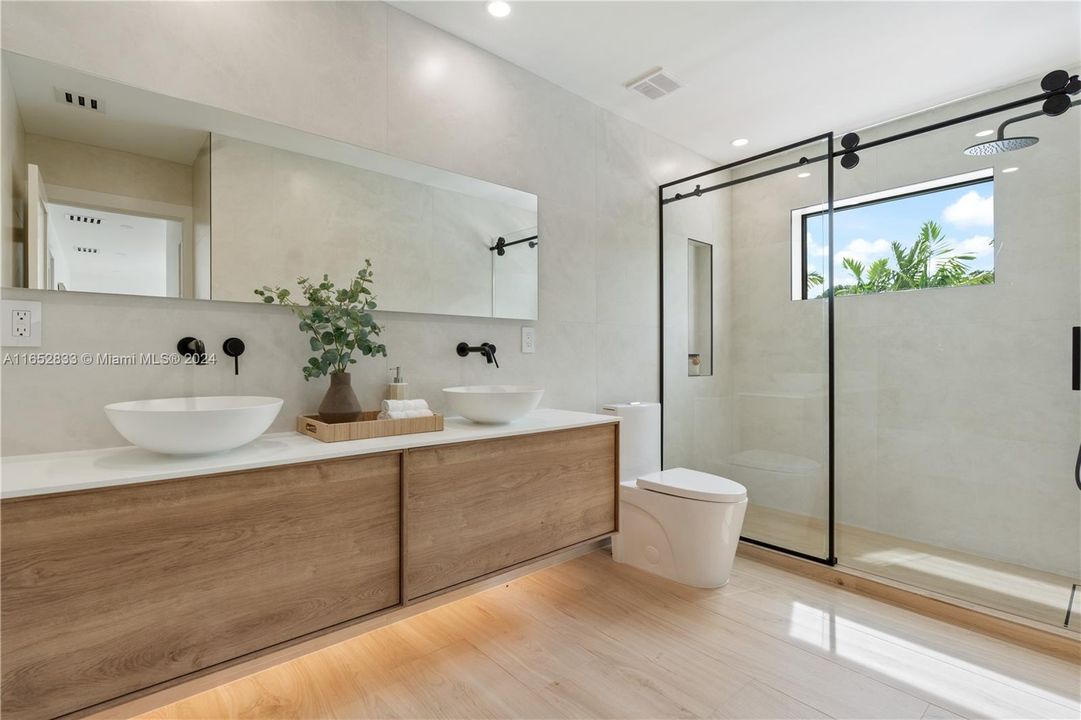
column 193, row 425
column 493, row 403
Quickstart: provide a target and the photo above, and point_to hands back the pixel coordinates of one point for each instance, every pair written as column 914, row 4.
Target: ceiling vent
column 87, row 250
column 654, row 84
column 84, row 219
column 79, row 100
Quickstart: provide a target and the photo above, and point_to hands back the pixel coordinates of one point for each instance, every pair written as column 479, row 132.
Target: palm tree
column 879, row 277
column 929, row 262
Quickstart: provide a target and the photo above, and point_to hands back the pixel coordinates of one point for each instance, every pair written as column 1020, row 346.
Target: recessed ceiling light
column 740, row 142
column 498, row 8
column 804, row 174
column 985, row 133
column 1010, row 169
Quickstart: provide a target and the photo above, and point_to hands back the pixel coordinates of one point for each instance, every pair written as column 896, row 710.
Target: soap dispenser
column 398, row 388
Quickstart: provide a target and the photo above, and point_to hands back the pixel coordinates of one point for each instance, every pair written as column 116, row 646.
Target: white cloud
column 864, row 250
column 971, row 210
column 815, row 249
column 978, row 245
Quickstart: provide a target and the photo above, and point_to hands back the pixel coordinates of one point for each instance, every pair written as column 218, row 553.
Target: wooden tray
column 366, row 428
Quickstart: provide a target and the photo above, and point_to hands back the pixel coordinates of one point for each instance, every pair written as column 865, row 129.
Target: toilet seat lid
column 694, row 485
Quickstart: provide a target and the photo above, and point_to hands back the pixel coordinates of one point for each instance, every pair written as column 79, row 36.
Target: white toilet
column 678, row 523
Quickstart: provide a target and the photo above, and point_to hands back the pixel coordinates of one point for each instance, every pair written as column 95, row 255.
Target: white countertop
column 24, row 475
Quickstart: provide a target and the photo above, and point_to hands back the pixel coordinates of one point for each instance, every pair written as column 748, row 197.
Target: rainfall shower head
column 1001, row 145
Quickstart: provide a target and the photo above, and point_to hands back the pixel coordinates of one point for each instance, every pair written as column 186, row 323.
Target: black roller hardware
column 1056, row 105
column 1055, row 80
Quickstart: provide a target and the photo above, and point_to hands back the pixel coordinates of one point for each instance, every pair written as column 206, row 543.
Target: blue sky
column 966, row 215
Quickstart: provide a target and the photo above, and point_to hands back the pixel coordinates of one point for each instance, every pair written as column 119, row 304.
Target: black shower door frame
column 828, row 138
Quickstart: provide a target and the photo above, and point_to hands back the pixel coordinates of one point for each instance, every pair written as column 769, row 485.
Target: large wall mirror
column 132, row 192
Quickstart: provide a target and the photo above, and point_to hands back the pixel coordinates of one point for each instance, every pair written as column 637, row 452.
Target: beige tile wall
column 78, row 165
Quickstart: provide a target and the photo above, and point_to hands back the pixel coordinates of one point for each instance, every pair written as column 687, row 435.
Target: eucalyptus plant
column 339, row 320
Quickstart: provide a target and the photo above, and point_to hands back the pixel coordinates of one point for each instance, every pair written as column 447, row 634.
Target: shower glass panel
column 762, row 417
column 958, row 282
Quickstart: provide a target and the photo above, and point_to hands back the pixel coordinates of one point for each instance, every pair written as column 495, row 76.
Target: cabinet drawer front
column 111, row 591
column 476, row 508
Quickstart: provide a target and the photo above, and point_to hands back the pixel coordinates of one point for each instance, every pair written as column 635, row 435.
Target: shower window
column 934, row 234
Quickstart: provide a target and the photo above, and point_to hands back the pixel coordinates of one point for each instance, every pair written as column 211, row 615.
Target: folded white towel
column 404, row 405
column 403, row 414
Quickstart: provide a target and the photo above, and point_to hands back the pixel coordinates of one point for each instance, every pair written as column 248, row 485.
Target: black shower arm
column 1027, row 116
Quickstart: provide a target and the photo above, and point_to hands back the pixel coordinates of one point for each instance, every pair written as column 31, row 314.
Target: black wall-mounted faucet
column 234, row 348
column 194, row 348
column 485, row 349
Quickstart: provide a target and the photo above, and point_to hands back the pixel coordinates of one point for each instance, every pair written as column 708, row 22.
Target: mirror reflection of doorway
column 102, row 251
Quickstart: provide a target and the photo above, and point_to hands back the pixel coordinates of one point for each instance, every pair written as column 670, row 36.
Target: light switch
column 21, row 323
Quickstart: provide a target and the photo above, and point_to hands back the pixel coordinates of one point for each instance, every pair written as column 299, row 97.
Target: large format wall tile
column 453, row 105
column 320, row 67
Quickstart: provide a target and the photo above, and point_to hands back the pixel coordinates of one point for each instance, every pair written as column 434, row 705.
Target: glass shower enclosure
column 890, row 349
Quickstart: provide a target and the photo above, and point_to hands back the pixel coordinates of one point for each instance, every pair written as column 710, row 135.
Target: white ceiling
column 774, row 72
column 134, row 120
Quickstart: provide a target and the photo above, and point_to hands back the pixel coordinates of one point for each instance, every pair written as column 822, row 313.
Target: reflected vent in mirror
column 654, row 84
column 79, row 100
column 84, row 219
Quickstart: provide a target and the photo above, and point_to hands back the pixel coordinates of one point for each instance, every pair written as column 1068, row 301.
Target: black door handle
column 1077, row 357
column 1077, row 386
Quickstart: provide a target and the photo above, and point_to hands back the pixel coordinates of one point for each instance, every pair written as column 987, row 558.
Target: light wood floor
column 590, row 638
column 1011, row 588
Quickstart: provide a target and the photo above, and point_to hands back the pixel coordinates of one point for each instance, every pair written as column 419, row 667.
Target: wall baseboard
column 1060, row 643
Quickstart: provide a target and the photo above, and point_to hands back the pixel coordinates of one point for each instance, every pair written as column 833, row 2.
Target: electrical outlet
column 529, row 340
column 21, row 323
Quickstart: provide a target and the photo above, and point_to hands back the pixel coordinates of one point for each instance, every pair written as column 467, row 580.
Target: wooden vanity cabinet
column 480, row 507
column 132, row 588
column 113, row 590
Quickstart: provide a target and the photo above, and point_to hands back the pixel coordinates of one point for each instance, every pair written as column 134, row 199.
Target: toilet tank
column 639, row 438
